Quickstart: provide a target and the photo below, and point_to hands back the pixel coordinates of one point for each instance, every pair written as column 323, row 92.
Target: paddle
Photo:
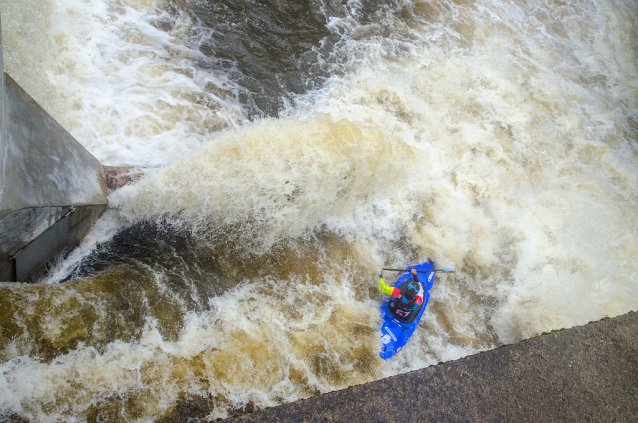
column 422, row 271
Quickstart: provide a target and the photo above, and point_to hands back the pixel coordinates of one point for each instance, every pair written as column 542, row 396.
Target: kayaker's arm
column 387, row 290
column 415, row 278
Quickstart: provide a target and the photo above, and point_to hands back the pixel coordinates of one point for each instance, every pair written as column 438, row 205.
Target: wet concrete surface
column 586, row 373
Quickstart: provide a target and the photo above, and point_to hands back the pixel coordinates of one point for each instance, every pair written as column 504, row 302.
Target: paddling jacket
column 402, row 308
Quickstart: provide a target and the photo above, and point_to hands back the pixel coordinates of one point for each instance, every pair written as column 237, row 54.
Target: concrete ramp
column 587, row 373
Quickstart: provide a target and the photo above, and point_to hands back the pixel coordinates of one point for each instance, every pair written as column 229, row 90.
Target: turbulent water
column 290, row 150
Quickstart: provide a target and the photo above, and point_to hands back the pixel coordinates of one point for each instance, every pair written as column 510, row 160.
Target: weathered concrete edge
column 588, row 373
column 119, row 176
column 37, row 235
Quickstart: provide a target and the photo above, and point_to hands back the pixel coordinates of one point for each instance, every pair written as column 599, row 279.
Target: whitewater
column 284, row 167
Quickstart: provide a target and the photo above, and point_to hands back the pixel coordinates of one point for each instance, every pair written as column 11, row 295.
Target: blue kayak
column 395, row 333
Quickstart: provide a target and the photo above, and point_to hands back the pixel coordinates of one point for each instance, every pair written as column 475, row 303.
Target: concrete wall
column 51, row 188
column 2, row 126
column 42, row 164
column 31, row 237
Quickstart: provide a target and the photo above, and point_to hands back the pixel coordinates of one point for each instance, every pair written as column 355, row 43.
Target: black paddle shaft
column 421, row 271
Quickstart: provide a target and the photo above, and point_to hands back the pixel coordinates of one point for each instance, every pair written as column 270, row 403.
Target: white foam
column 127, row 90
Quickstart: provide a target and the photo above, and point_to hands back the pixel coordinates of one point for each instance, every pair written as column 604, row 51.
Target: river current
column 291, row 149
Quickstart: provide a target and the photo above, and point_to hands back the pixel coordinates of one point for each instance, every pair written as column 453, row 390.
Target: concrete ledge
column 587, row 373
column 30, row 238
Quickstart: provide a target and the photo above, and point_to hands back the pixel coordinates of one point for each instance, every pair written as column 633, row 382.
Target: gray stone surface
column 587, row 373
column 25, row 225
column 44, row 174
column 41, row 164
column 29, row 238
column 118, row 176
column 2, row 126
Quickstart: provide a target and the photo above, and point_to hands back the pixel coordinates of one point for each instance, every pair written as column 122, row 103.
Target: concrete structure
column 587, row 373
column 41, row 164
column 51, row 188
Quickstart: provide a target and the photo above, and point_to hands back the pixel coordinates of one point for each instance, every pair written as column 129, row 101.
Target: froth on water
column 136, row 337
column 120, row 76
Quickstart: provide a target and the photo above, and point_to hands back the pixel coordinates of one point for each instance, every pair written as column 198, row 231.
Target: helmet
column 411, row 290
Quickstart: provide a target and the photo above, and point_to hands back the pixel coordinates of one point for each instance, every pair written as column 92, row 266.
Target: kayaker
column 406, row 300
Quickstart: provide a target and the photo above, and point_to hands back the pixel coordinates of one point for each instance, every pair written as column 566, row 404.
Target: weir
column 51, row 188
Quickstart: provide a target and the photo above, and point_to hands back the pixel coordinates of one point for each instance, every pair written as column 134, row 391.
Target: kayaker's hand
column 413, row 272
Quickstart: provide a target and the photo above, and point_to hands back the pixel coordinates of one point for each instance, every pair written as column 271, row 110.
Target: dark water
column 273, row 49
